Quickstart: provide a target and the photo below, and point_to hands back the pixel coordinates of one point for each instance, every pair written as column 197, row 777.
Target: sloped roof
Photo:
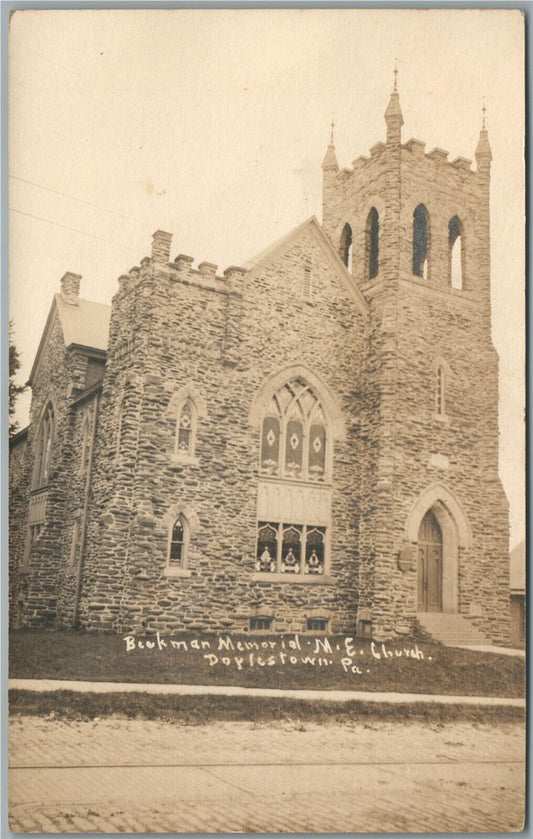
column 280, row 245
column 86, row 324
column 517, row 561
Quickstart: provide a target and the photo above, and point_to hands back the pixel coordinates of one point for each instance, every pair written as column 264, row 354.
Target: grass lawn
column 304, row 661
column 201, row 710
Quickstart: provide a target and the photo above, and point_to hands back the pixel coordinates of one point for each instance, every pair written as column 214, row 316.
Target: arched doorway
column 429, row 564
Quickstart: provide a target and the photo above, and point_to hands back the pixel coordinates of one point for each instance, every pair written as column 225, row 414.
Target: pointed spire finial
column 393, row 114
column 483, row 152
column 330, row 160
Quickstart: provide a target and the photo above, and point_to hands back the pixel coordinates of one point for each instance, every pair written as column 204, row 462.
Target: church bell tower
column 413, row 229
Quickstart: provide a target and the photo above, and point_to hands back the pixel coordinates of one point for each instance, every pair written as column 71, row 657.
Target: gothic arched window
column 421, row 242
column 372, row 243
column 43, row 449
column 456, row 251
column 346, row 246
column 178, row 543
column 294, row 496
column 294, row 437
column 186, row 429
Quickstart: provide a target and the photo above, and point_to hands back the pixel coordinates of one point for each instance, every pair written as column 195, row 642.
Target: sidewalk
column 490, row 648
column 42, row 685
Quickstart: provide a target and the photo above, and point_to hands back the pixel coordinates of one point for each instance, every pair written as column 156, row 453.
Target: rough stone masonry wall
column 183, row 324
column 18, row 511
column 115, row 455
column 36, row 586
column 455, row 453
column 83, row 415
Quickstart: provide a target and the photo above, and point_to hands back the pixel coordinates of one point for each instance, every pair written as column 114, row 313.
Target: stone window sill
column 177, row 572
column 184, row 460
column 305, row 579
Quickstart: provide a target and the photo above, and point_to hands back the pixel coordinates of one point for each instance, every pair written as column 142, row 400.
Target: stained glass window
column 294, row 447
column 314, row 550
column 270, row 444
column 281, row 548
column 294, row 436
column 267, row 547
column 177, row 543
column 291, row 551
column 185, row 429
column 317, row 449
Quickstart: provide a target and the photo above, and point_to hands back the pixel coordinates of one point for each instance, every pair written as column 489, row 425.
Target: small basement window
column 317, row 624
column 260, row 624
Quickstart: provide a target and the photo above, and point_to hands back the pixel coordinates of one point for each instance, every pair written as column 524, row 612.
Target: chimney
column 70, row 288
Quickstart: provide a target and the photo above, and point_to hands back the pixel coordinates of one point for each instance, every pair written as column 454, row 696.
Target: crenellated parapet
column 373, row 211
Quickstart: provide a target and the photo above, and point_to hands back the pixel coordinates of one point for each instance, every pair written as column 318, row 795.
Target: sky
column 212, row 125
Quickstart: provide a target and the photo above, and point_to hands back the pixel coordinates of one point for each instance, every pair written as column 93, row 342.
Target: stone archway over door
column 455, row 534
column 429, row 565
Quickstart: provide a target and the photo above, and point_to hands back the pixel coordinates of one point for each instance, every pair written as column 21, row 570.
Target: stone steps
column 451, row 629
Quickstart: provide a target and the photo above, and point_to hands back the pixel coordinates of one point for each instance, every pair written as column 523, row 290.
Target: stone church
column 307, row 442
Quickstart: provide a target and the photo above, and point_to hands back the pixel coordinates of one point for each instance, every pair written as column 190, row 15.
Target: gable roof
column 86, row 324
column 313, row 225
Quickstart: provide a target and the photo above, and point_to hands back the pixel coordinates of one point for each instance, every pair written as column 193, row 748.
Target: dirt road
column 138, row 776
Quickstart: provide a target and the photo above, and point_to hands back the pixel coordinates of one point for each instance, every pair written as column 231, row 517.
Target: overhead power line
column 69, row 197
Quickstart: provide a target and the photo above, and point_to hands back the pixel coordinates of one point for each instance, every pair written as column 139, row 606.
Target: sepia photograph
column 267, row 552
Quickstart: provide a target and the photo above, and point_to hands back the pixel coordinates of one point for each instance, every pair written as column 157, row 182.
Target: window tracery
column 294, row 439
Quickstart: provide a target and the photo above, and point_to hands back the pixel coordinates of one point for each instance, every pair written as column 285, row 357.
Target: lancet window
column 177, row 550
column 372, row 241
column 186, row 428
column 346, row 246
column 455, row 241
column 43, row 450
column 421, row 242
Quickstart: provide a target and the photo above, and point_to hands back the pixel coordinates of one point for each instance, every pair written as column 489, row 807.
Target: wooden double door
column 429, row 565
